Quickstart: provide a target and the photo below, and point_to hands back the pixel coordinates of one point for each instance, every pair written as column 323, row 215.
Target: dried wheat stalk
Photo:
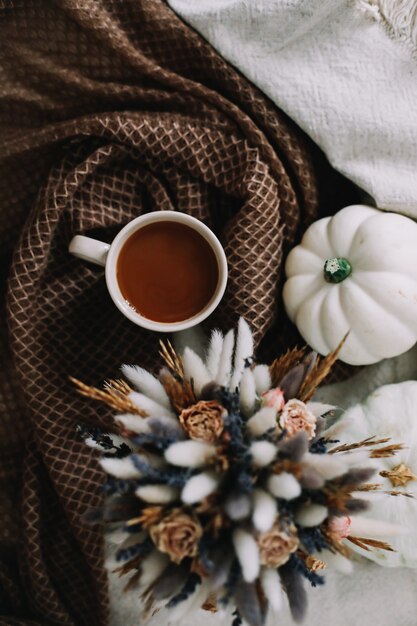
column 118, row 386
column 133, row 581
column 311, row 562
column 210, row 604
column 284, row 363
column 149, row 516
column 114, row 395
column 386, row 451
column 369, row 441
column 319, row 372
column 172, row 360
column 127, row 567
column 180, row 393
column 393, row 492
column 369, row 487
column 366, row 544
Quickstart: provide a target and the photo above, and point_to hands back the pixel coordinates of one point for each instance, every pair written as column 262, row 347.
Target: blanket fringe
column 398, row 17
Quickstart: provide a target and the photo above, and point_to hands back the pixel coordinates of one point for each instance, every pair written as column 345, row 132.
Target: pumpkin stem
column 337, row 269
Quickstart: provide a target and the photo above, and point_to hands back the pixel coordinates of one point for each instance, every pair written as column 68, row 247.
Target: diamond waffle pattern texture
column 109, row 109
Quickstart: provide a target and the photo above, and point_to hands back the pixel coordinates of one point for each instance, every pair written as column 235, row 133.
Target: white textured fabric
column 344, row 70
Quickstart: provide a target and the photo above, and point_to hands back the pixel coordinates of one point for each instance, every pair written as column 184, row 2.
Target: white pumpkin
column 357, row 272
column 390, row 411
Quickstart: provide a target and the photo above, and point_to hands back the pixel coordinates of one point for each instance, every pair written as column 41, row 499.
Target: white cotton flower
column 264, row 510
column 284, row 486
column 157, row 494
column 146, row 383
column 120, row 468
column 134, row 423
column 214, row 353
column 262, row 453
column 243, row 352
column 195, row 369
column 190, row 453
column 262, row 378
column 247, row 392
column 391, row 411
column 311, row 515
column 262, row 421
column 271, row 585
column 149, row 406
column 247, row 552
column 225, row 364
column 199, row 487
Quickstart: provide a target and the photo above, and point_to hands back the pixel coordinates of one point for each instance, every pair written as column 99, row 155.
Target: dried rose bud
column 204, row 421
column 274, row 398
column 177, row 534
column 296, row 416
column 276, row 545
column 339, row 527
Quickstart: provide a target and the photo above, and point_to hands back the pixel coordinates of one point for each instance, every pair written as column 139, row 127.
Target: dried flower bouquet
column 228, row 483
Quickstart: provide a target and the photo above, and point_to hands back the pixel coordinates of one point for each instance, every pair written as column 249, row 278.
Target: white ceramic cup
column 106, row 255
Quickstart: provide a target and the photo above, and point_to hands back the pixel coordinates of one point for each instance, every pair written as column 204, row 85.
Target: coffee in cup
column 165, row 271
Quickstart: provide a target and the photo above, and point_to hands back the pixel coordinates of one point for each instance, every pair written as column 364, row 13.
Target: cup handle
column 89, row 249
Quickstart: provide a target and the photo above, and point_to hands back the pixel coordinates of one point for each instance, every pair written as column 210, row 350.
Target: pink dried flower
column 339, row 527
column 274, row 398
column 296, row 416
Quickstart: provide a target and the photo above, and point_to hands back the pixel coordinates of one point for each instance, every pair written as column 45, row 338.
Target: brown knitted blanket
column 108, row 109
